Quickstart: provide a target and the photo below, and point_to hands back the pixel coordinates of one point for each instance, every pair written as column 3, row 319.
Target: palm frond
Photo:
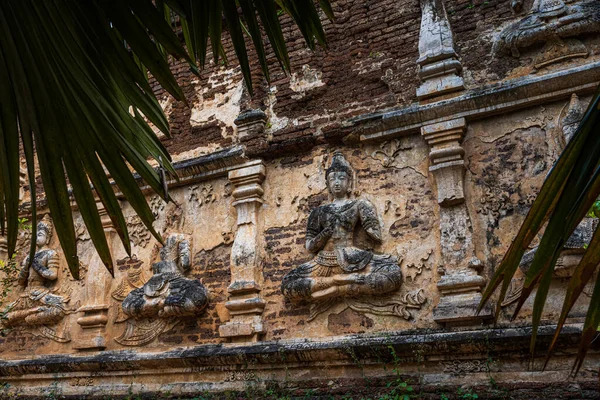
column 74, row 94
column 567, row 195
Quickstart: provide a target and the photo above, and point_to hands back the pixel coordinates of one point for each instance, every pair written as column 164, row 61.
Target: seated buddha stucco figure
column 339, row 269
column 168, row 293
column 38, row 304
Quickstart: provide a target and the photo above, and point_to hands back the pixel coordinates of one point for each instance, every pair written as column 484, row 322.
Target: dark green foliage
column 571, row 189
column 74, row 92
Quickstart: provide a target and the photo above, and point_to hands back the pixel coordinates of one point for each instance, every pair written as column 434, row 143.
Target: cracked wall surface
column 253, row 169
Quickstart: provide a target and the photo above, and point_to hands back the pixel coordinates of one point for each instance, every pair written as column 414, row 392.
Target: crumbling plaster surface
column 369, row 66
column 508, row 159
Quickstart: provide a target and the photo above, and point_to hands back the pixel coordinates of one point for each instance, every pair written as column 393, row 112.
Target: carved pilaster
column 446, row 156
column 92, row 336
column 439, row 67
column 245, row 304
column 461, row 283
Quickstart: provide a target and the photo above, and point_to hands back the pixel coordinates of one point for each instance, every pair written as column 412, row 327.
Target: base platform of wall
column 489, row 362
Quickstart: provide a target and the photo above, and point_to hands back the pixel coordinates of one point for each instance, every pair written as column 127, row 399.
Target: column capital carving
column 446, row 157
column 247, row 182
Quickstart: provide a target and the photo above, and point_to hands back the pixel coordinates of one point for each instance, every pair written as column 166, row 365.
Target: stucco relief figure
column 40, row 306
column 165, row 297
column 339, row 269
column 555, row 23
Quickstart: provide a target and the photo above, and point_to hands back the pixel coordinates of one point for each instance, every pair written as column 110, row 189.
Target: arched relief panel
column 508, row 158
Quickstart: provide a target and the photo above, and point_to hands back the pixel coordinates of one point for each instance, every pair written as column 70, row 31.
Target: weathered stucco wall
column 450, row 157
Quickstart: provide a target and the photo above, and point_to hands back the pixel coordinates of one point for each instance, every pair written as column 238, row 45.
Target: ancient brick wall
column 450, row 160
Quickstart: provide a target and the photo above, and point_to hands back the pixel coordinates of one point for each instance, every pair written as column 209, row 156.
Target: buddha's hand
column 344, row 279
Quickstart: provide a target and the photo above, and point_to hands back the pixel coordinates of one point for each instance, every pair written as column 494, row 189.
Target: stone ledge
column 366, row 348
column 197, row 169
column 479, row 103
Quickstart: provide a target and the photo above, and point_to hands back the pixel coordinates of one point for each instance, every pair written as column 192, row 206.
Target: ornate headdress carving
column 45, row 225
column 339, row 164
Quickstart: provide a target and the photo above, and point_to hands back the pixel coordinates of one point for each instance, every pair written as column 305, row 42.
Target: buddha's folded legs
column 302, row 282
column 45, row 315
column 382, row 275
column 137, row 306
column 187, row 297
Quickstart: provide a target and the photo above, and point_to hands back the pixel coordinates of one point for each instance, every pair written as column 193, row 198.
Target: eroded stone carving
column 165, row 297
column 568, row 259
column 43, row 304
column 576, row 245
column 416, row 269
column 339, row 269
column 157, row 205
column 464, row 367
column 570, row 121
column 139, row 234
column 389, row 150
column 200, row 195
column 439, row 67
column 553, row 23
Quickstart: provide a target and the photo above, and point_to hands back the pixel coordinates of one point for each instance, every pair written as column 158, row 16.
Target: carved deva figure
column 39, row 306
column 156, row 305
column 339, row 270
column 168, row 293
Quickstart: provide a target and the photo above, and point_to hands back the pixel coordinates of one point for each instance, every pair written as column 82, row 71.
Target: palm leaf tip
column 88, row 62
column 569, row 192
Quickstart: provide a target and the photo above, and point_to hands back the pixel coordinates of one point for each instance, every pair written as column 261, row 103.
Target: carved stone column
column 245, row 305
column 460, row 285
column 92, row 336
column 439, row 67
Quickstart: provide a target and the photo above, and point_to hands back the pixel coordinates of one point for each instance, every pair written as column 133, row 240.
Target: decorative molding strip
column 202, row 168
column 216, row 356
column 479, row 103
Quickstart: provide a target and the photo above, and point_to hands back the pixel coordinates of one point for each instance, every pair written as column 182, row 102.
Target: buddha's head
column 44, row 232
column 339, row 176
